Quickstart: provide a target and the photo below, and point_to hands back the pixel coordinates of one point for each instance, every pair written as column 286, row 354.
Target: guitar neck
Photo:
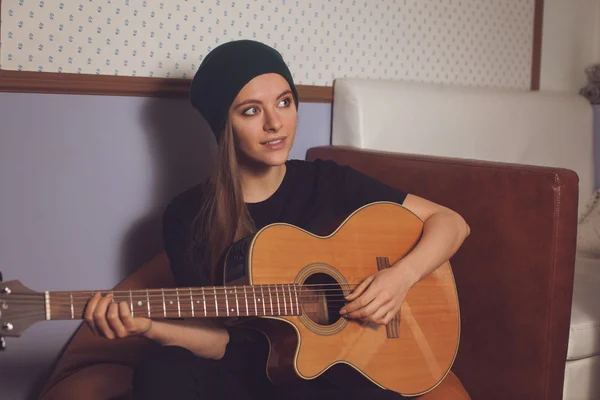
column 200, row 302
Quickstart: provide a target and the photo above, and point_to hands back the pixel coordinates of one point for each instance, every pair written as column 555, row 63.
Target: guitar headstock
column 20, row 308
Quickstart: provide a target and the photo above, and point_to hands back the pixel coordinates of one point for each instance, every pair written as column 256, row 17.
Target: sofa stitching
column 557, row 200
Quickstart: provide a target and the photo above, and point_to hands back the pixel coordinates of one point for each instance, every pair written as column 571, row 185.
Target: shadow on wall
column 182, row 149
column 20, row 376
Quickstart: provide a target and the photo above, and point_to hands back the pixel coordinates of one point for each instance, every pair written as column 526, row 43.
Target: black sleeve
column 358, row 189
column 178, row 240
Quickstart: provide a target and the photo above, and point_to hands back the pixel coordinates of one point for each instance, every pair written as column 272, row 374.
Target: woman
column 247, row 95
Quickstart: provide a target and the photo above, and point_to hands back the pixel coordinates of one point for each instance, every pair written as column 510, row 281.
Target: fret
column 148, row 302
column 164, row 302
column 277, row 295
column 131, row 303
column 216, row 304
column 192, row 302
column 246, row 297
column 72, row 307
column 270, row 299
column 237, row 303
column 204, row 301
column 254, row 295
column 172, row 304
column 227, row 301
column 47, row 307
column 284, row 302
column 262, row 300
column 291, row 299
column 297, row 305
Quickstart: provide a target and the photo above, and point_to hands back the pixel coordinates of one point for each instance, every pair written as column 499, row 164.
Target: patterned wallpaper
column 473, row 42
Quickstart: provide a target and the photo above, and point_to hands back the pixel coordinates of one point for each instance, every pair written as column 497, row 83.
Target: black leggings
column 175, row 373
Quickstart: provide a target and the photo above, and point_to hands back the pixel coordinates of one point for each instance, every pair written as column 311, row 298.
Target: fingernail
column 343, row 311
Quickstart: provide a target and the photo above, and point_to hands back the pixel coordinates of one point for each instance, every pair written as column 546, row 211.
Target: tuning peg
column 2, row 344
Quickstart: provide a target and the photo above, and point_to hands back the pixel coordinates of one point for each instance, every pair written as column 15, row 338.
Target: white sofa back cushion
column 464, row 122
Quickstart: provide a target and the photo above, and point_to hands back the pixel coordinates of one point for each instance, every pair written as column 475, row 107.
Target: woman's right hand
column 110, row 320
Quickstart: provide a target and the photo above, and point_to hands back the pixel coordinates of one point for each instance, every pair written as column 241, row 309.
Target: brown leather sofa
column 514, row 276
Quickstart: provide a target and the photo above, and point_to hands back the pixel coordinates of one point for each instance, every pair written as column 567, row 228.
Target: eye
column 286, row 102
column 251, row 111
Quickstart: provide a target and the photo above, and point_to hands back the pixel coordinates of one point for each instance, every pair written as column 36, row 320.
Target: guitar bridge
column 393, row 327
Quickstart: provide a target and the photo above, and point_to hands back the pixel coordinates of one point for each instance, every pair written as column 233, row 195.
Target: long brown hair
column 224, row 217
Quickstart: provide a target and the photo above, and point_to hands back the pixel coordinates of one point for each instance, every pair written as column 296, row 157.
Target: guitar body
column 409, row 356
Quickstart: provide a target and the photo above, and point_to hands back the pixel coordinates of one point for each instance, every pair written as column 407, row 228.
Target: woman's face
column 263, row 117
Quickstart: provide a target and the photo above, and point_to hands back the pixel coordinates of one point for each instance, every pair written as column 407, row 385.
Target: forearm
column 443, row 234
column 204, row 338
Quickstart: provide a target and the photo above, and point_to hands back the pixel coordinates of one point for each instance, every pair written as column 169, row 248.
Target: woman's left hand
column 379, row 297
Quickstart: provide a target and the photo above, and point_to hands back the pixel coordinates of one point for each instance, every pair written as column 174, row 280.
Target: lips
column 275, row 143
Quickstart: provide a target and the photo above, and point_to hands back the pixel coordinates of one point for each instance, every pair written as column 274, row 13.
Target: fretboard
column 220, row 301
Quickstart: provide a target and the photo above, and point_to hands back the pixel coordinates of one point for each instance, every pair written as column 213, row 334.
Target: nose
column 272, row 121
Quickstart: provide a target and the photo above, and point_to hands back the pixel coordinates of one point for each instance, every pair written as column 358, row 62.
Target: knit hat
column 225, row 71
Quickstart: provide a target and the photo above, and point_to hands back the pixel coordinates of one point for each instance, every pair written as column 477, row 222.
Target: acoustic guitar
column 290, row 285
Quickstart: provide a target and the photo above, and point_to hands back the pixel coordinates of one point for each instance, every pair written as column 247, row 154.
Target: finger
column 88, row 315
column 379, row 299
column 114, row 320
column 360, row 288
column 378, row 316
column 371, row 293
column 389, row 316
column 100, row 317
column 358, row 303
column 126, row 317
column 366, row 311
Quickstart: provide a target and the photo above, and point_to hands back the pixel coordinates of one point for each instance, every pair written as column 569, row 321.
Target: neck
column 224, row 301
column 259, row 183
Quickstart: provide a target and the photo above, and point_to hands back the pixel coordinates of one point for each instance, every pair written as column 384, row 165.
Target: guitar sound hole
column 322, row 299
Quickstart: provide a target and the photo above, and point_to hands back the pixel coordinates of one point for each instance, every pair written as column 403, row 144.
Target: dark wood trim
column 53, row 82
column 536, row 61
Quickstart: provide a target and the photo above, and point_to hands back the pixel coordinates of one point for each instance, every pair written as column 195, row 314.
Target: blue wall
column 83, row 182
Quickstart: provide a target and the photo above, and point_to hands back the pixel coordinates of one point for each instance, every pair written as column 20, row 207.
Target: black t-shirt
column 313, row 195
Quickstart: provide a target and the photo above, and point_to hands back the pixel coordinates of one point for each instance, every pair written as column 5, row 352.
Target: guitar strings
column 212, row 289
column 182, row 298
column 171, row 303
column 158, row 312
column 184, row 292
column 218, row 288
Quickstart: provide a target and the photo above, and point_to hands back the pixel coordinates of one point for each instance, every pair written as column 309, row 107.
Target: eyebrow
column 260, row 102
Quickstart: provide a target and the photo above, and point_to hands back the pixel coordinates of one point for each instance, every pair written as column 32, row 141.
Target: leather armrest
column 514, row 273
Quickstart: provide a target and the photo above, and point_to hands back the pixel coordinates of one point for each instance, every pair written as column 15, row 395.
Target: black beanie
column 226, row 70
